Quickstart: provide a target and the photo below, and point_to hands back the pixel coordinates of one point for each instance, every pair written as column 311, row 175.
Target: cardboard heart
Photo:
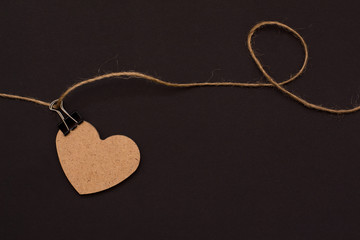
column 93, row 165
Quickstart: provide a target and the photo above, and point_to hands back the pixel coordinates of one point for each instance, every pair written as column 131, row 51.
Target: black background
column 217, row 163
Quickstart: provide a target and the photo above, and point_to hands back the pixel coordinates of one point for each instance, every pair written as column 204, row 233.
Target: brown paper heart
column 92, row 164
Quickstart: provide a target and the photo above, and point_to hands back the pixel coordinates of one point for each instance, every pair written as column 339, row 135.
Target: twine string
column 271, row 80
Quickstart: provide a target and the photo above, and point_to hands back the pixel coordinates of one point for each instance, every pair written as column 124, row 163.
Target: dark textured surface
column 217, row 163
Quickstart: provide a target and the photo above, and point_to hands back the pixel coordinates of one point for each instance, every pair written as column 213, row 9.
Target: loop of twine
column 272, row 82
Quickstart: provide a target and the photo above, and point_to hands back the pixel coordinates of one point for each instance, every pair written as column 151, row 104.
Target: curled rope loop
column 271, row 80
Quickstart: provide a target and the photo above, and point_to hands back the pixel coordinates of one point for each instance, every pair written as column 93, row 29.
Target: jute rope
column 272, row 82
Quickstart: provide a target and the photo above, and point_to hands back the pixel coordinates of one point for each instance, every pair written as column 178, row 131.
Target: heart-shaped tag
column 93, row 165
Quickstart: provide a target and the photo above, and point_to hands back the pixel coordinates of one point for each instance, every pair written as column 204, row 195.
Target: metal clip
column 70, row 122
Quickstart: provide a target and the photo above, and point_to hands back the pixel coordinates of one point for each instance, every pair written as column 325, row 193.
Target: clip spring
column 68, row 123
